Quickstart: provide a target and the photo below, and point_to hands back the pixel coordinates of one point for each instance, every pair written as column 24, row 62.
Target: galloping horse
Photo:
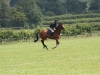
column 44, row 35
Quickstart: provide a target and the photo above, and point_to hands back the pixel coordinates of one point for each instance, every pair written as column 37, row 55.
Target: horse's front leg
column 57, row 43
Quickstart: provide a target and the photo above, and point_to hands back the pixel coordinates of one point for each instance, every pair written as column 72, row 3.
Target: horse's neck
column 58, row 30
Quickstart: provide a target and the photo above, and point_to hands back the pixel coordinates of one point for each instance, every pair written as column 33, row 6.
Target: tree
column 13, row 2
column 49, row 13
column 75, row 6
column 95, row 5
column 4, row 7
column 54, row 6
column 31, row 10
column 17, row 17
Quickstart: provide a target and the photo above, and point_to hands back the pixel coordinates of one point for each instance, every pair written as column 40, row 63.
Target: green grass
column 74, row 56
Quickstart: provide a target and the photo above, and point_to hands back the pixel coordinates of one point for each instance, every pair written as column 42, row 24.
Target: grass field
column 74, row 56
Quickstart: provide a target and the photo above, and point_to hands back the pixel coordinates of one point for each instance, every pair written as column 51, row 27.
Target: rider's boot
column 51, row 36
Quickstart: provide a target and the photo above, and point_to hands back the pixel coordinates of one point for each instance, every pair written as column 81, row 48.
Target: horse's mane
column 59, row 25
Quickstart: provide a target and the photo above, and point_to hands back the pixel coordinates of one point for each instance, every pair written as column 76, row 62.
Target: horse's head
column 60, row 26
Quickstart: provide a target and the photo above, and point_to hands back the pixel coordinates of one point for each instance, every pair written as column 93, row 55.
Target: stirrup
column 51, row 37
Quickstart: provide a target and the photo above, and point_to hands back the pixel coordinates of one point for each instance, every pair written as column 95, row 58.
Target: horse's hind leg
column 44, row 46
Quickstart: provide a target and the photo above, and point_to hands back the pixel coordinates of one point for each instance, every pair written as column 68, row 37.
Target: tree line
column 25, row 12
column 59, row 7
column 29, row 13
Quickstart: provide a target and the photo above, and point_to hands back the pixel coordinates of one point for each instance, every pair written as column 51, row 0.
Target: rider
column 53, row 26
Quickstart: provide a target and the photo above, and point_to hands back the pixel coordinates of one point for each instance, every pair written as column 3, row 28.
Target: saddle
column 51, row 35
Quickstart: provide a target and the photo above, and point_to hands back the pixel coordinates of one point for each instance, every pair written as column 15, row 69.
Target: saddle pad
column 49, row 31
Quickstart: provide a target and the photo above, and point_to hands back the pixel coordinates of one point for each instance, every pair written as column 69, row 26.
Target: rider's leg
column 52, row 32
column 51, row 36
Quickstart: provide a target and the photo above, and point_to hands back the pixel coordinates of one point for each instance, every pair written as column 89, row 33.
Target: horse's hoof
column 46, row 48
column 53, row 47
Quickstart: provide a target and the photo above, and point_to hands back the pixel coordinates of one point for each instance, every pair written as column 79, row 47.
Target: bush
column 38, row 30
column 19, row 34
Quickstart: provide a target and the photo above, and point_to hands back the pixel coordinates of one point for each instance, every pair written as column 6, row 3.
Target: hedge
column 71, row 19
column 20, row 34
column 74, row 29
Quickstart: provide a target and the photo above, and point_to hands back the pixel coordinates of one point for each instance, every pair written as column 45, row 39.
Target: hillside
column 72, row 19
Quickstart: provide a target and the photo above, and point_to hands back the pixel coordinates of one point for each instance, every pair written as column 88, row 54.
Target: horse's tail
column 37, row 37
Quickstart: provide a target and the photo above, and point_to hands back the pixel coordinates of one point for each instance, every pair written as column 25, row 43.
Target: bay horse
column 44, row 35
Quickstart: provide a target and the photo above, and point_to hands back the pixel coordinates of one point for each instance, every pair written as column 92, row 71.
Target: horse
column 44, row 35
